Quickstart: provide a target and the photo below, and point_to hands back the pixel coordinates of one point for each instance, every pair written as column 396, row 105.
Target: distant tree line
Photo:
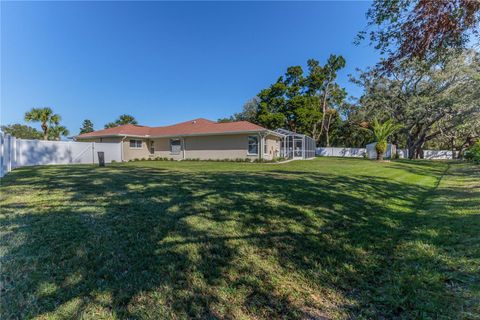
column 437, row 105
column 50, row 125
column 427, row 82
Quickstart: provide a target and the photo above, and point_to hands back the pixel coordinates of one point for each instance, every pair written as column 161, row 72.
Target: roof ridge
column 187, row 127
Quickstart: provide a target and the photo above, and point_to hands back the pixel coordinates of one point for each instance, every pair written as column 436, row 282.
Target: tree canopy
column 22, row 131
column 421, row 29
column 57, row 131
column 429, row 100
column 46, row 117
column 248, row 113
column 305, row 103
column 123, row 119
column 87, row 126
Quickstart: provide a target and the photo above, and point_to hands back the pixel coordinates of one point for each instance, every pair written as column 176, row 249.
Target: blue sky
column 164, row 62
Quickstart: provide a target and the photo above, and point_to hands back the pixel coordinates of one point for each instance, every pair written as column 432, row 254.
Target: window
column 135, row 144
column 265, row 150
column 175, row 146
column 152, row 147
column 252, row 145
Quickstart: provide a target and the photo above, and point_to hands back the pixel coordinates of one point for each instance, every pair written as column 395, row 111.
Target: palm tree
column 123, row 119
column 381, row 132
column 55, row 132
column 45, row 116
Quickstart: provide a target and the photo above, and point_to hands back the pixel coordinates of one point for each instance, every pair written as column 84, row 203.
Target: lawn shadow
column 133, row 242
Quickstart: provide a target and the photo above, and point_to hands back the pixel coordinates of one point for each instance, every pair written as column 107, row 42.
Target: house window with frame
column 252, row 145
column 175, row 146
column 135, row 144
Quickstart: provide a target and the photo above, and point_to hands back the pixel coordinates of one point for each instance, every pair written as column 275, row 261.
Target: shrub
column 113, row 161
column 473, row 153
column 136, row 159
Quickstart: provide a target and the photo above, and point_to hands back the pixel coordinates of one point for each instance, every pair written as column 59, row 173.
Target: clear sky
column 164, row 62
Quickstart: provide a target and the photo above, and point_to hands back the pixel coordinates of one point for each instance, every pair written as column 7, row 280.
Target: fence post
column 1, row 154
column 14, row 153
column 9, row 148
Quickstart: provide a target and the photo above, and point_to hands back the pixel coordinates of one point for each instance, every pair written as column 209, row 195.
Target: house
column 195, row 139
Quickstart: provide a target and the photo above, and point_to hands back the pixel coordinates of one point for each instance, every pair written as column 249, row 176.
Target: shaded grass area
column 328, row 238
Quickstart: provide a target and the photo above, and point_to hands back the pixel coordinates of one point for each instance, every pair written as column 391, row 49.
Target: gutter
column 185, row 135
column 209, row 134
column 182, row 141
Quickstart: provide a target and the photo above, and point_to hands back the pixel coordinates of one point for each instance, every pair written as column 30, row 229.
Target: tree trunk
column 380, row 156
column 324, row 109
column 411, row 147
column 327, row 130
column 45, row 131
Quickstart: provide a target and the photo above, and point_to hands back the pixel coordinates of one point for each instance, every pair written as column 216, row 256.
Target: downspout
column 262, row 143
column 260, row 146
column 183, row 148
column 303, row 148
column 121, row 148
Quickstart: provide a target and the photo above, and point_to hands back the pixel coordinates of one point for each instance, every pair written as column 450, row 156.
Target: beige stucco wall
column 162, row 149
column 273, row 147
column 217, row 147
column 136, row 153
column 198, row 147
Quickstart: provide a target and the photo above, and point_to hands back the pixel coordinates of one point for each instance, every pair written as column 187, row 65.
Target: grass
column 327, row 238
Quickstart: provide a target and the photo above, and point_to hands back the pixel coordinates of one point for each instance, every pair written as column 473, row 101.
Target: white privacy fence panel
column 437, row 154
column 402, row 153
column 371, row 153
column 112, row 150
column 341, row 152
column 20, row 152
column 37, row 152
column 7, row 153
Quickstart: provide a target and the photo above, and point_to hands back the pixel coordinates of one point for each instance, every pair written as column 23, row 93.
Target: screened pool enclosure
column 295, row 145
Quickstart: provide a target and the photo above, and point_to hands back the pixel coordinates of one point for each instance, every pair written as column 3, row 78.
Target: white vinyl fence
column 363, row 152
column 438, row 154
column 341, row 152
column 17, row 153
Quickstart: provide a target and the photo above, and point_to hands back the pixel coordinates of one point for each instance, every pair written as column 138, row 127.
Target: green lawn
column 327, row 238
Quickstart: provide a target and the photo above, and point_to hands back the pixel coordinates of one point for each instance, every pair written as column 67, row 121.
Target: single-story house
column 195, row 139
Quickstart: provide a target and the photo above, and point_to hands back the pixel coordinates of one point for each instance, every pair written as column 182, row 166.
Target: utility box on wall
column 101, row 158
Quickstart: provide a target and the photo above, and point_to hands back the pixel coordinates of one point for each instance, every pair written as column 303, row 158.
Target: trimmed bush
column 473, row 153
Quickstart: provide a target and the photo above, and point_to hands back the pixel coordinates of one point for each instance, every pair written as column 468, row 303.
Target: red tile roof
column 192, row 127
